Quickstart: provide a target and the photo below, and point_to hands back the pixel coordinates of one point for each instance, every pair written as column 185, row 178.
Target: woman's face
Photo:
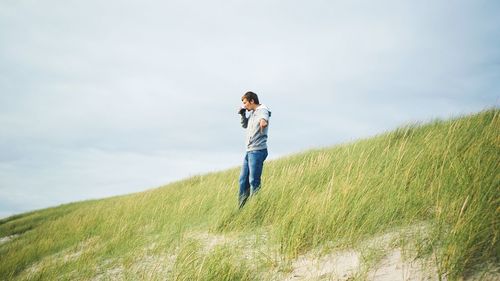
column 248, row 105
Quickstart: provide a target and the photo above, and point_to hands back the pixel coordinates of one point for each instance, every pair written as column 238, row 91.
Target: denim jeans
column 250, row 174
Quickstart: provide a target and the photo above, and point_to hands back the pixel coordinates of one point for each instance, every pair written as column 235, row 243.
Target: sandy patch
column 113, row 274
column 209, row 240
column 393, row 267
column 151, row 266
column 8, row 238
column 336, row 266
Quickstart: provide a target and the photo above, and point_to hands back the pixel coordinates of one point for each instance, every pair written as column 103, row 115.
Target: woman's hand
column 263, row 124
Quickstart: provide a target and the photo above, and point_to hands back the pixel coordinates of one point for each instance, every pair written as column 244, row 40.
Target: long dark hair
column 249, row 96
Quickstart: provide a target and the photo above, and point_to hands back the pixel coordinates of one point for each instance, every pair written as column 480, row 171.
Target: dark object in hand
column 242, row 111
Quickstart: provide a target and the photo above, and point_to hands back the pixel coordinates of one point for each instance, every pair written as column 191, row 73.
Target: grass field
column 434, row 187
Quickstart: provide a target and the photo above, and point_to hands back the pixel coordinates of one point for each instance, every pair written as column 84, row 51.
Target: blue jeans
column 250, row 174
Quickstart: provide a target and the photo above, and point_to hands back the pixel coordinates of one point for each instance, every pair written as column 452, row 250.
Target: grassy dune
column 443, row 175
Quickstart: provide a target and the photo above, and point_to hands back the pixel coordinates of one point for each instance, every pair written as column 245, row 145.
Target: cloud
column 102, row 98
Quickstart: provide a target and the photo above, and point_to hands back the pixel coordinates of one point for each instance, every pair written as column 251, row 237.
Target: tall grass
column 444, row 174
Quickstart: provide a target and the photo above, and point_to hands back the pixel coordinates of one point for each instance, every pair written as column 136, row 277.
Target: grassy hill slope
column 441, row 180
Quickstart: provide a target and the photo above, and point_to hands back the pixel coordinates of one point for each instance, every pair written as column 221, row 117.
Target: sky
column 101, row 98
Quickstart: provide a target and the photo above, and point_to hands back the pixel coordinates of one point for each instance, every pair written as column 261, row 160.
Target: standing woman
column 256, row 125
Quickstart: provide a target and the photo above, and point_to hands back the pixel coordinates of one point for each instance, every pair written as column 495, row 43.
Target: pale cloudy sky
column 99, row 98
